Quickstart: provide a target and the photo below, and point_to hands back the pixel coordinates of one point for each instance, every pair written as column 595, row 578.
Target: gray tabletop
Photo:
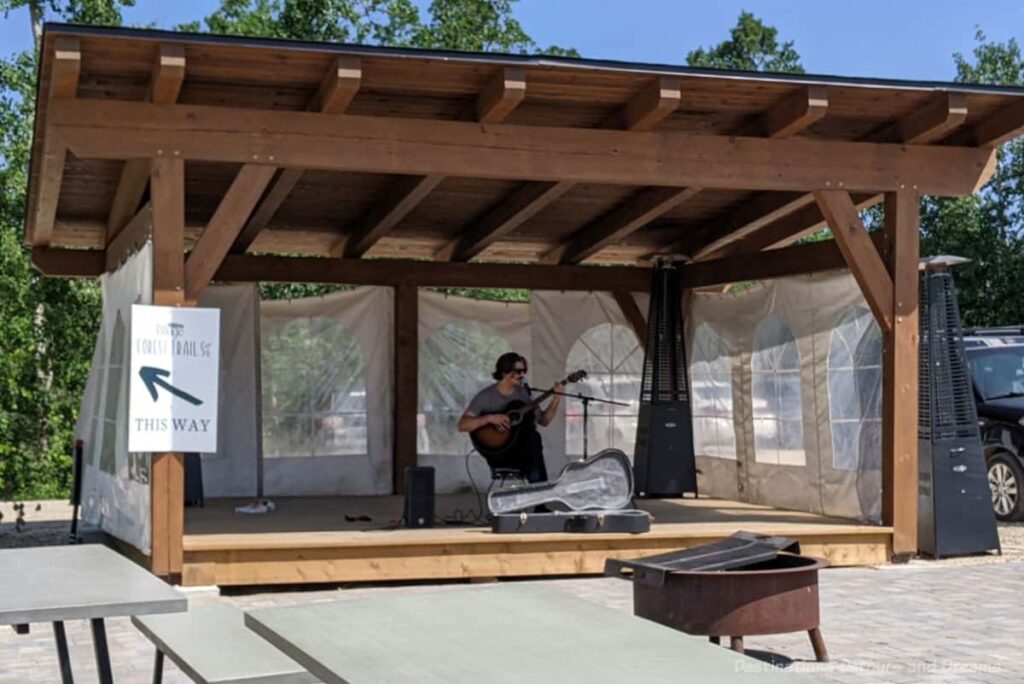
column 503, row 635
column 51, row 583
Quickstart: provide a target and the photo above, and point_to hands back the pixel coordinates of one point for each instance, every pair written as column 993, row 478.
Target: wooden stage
column 308, row 540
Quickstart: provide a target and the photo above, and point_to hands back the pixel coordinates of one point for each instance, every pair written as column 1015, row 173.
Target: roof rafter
column 787, row 118
column 504, row 92
column 164, row 86
column 338, row 88
column 224, row 226
column 649, row 107
column 67, row 66
column 794, row 113
column 942, row 114
column 633, row 214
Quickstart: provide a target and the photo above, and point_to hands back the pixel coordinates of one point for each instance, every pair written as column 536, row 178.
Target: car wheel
column 1005, row 479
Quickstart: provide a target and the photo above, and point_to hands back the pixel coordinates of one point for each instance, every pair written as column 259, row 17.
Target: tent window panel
column 613, row 359
column 714, row 433
column 855, row 391
column 314, row 389
column 455, row 363
column 776, row 395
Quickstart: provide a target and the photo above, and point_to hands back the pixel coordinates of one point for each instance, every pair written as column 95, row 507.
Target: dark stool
column 500, row 477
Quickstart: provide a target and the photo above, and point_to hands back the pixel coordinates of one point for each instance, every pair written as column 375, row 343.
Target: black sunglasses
column 520, row 371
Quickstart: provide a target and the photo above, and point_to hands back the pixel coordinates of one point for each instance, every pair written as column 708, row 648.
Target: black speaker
column 955, row 513
column 664, row 464
column 419, row 497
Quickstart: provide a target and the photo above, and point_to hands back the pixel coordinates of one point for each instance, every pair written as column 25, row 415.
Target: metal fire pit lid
column 739, row 550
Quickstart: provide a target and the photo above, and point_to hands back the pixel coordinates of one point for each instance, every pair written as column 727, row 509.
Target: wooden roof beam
column 789, row 116
column 124, row 130
column 795, row 113
column 164, row 86
column 337, row 90
column 649, row 107
column 224, row 226
column 1001, row 127
column 612, row 227
column 130, row 238
column 932, row 122
column 505, row 91
column 67, row 66
column 859, row 251
column 643, row 112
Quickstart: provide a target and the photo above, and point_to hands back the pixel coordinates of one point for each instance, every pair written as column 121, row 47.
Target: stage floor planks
column 307, row 540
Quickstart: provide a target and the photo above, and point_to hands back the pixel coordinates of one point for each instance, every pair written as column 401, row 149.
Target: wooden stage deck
column 308, row 541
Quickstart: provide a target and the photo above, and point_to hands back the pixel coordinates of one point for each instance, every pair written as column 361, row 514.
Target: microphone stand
column 585, row 399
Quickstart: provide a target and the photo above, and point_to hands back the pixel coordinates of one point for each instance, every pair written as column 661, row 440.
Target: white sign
column 175, row 368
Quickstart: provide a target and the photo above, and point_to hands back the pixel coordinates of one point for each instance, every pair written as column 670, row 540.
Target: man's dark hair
column 505, row 364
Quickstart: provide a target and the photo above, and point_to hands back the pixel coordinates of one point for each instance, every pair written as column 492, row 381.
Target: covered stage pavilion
column 234, row 160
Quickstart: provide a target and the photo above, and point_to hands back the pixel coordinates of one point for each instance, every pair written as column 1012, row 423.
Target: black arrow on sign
column 153, row 377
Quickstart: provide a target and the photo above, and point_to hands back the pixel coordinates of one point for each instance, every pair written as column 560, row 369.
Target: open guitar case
column 596, row 494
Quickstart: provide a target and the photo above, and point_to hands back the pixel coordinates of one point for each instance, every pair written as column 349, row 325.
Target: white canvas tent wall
column 826, row 406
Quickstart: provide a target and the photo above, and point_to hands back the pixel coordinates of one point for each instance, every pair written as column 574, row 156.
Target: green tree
column 987, row 227
column 752, row 46
column 47, row 326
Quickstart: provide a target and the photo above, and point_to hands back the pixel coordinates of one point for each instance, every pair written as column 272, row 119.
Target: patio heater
column 955, row 514
column 664, row 463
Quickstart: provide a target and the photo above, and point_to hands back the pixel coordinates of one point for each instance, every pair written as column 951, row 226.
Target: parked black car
column 996, row 359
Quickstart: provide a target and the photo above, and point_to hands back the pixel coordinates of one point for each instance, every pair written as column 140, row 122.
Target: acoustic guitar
column 490, row 441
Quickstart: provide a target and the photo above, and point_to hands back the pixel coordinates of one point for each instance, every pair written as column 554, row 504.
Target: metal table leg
column 99, row 643
column 62, row 653
column 158, row 667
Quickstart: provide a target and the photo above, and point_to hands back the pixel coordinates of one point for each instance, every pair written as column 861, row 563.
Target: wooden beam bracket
column 860, row 253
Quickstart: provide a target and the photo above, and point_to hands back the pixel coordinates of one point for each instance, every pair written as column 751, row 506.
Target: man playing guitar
column 485, row 409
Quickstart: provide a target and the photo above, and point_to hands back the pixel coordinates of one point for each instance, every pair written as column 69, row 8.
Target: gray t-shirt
column 490, row 400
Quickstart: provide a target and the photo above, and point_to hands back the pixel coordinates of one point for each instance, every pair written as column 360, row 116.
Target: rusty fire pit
column 770, row 597
column 742, row 586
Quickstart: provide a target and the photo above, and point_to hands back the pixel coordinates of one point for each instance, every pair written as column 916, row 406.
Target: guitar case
column 630, row 521
column 596, row 492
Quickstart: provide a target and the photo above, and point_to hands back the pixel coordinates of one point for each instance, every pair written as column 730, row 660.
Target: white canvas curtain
column 326, row 400
column 115, row 484
column 234, row 469
column 786, row 385
column 588, row 331
column 459, row 341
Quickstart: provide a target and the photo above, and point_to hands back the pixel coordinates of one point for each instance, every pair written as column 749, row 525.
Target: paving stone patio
column 905, row 624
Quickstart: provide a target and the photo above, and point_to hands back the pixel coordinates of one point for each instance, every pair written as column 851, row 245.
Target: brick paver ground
column 901, row 624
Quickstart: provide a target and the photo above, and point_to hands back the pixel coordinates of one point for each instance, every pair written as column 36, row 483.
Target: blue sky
column 891, row 39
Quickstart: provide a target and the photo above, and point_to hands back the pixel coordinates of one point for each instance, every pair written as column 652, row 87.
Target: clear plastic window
column 775, row 395
column 613, row 359
column 855, row 391
column 455, row 363
column 714, row 433
column 314, row 389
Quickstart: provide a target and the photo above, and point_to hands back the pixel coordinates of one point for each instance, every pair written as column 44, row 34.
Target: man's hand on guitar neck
column 548, row 414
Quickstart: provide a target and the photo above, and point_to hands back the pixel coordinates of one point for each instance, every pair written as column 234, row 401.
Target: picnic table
column 507, row 634
column 84, row 582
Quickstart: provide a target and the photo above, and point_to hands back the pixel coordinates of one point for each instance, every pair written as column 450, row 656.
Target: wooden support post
column 167, row 474
column 406, row 381
column 900, row 375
